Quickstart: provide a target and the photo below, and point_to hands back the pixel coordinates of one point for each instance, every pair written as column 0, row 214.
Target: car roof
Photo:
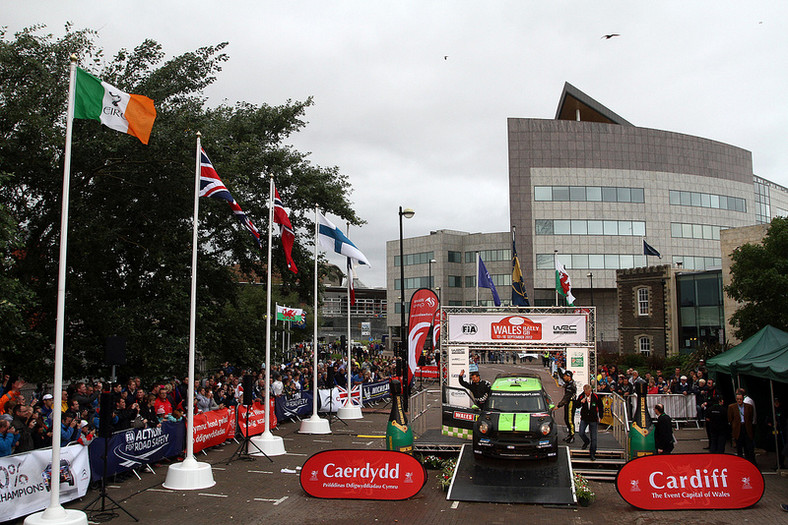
column 519, row 383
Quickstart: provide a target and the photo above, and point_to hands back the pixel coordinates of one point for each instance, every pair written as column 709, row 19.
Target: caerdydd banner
column 521, row 329
column 132, row 448
column 25, row 479
column 423, row 305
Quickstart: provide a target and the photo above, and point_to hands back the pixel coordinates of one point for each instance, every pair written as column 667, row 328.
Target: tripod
column 104, row 512
column 243, row 447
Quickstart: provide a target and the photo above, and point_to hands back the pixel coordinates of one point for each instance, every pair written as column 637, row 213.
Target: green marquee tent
column 764, row 355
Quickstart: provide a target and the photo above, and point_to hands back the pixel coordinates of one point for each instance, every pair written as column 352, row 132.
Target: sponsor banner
column 25, row 479
column 455, row 394
column 366, row 328
column 423, row 305
column 521, row 329
column 362, row 474
column 577, row 362
column 690, row 481
column 436, row 331
column 607, row 415
column 459, row 418
column 213, row 428
column 133, row 448
column 373, row 392
column 331, row 400
column 290, row 408
column 256, row 418
column 427, row 372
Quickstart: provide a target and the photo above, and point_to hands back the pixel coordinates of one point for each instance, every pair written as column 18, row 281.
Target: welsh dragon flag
column 563, row 284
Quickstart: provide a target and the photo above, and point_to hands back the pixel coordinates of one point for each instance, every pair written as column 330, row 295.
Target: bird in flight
column 445, row 57
column 611, row 35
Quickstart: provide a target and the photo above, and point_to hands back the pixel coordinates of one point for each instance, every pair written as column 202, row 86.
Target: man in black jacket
column 480, row 390
column 663, row 431
column 717, row 425
column 568, row 401
column 591, row 411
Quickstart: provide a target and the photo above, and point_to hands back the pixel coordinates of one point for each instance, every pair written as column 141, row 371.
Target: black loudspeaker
column 248, row 384
column 343, row 342
column 115, row 351
column 105, row 414
column 330, row 376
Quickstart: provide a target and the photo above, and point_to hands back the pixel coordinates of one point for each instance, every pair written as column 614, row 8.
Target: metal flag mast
column 267, row 443
column 315, row 424
column 191, row 474
column 55, row 513
column 348, row 410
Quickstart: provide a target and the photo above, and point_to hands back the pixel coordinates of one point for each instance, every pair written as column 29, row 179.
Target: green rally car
column 517, row 421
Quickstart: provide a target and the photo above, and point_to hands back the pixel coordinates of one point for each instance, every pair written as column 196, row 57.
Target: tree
column 759, row 280
column 131, row 205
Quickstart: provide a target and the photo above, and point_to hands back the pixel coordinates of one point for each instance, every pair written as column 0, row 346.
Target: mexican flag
column 97, row 100
column 563, row 284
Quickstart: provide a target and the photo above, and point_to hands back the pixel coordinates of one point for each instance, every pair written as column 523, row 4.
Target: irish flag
column 97, row 100
column 563, row 284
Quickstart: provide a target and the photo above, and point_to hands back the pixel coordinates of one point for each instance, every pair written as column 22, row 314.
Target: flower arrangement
column 432, row 462
column 585, row 496
column 447, row 473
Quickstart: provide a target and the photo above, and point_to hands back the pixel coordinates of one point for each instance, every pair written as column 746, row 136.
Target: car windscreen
column 517, row 402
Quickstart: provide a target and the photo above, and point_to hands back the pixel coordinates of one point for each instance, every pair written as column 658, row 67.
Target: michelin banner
column 132, row 448
column 331, row 400
column 25, row 479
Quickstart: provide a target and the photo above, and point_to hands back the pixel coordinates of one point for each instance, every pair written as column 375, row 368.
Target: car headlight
column 545, row 429
column 484, row 427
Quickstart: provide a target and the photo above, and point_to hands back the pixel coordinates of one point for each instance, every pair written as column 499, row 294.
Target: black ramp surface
column 545, row 482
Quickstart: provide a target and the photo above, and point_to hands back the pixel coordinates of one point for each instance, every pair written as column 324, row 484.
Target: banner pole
column 477, row 278
column 314, row 335
column 268, row 309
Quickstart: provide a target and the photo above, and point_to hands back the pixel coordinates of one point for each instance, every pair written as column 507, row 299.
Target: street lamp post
column 591, row 277
column 430, row 278
column 407, row 213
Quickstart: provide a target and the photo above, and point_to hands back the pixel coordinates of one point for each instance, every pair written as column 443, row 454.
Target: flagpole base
column 190, row 474
column 268, row 443
column 350, row 412
column 315, row 425
column 58, row 516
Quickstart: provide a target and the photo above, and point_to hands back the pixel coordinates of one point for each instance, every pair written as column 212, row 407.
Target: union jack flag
column 212, row 186
column 355, row 396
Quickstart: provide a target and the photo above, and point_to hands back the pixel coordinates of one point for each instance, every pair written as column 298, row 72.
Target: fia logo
column 469, row 329
column 129, row 437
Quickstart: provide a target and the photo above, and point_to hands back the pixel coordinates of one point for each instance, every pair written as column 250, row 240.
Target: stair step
column 618, row 463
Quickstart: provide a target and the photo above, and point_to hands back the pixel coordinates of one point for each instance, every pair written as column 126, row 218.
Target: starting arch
column 465, row 330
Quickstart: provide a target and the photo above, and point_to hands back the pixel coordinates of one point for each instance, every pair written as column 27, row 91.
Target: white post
column 55, row 513
column 315, row 425
column 191, row 474
column 477, row 278
column 267, row 442
column 555, row 269
column 349, row 411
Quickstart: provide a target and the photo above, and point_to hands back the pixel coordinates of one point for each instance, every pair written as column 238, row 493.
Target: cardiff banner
column 690, row 481
column 132, row 448
column 256, row 418
column 521, row 329
column 25, row 479
column 423, row 305
column 213, row 428
column 362, row 474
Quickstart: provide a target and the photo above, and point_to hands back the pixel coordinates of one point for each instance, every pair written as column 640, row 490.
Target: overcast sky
column 412, row 97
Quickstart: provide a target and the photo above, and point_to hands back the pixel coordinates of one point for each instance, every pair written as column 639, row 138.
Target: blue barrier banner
column 132, row 448
column 371, row 392
column 289, row 408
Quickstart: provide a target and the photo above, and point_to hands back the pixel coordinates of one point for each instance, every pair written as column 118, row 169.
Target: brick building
column 646, row 313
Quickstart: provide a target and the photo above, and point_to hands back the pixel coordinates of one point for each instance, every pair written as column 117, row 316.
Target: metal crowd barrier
column 680, row 408
column 620, row 426
column 418, row 408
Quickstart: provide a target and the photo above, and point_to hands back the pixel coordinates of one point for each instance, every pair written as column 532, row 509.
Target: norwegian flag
column 285, row 230
column 212, row 186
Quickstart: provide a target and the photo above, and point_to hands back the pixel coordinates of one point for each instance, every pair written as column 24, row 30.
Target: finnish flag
column 332, row 238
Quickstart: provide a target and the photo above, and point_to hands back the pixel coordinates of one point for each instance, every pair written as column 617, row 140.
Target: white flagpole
column 477, row 278
column 191, row 474
column 314, row 424
column 349, row 411
column 555, row 265
column 267, row 442
column 55, row 512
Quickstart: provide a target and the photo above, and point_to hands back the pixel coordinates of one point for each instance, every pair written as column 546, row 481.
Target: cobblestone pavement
column 251, row 492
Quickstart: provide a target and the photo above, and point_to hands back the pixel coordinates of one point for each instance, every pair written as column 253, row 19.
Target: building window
column 455, row 257
column 588, row 227
column 591, row 261
column 489, row 255
column 643, row 302
column 415, row 258
column 644, row 345
column 470, row 281
column 689, row 262
column 709, row 232
column 707, row 200
column 455, row 281
column 413, row 283
column 588, row 194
